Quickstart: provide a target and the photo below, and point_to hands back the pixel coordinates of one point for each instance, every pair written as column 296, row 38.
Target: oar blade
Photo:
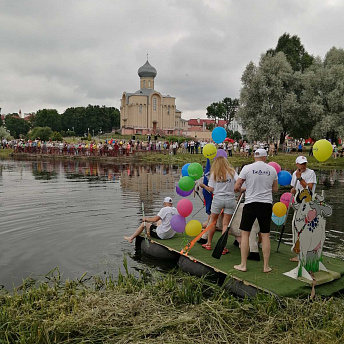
column 220, row 245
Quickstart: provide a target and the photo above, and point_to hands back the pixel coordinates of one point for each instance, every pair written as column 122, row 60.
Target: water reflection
column 73, row 213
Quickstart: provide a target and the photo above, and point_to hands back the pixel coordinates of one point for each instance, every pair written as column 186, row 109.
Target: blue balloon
column 219, row 134
column 278, row 220
column 284, row 178
column 185, row 172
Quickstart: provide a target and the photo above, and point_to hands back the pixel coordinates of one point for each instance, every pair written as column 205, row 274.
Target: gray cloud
column 57, row 54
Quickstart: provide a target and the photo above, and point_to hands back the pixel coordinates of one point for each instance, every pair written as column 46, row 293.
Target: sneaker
column 202, row 241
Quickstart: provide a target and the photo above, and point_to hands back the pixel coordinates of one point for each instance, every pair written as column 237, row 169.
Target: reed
column 156, row 308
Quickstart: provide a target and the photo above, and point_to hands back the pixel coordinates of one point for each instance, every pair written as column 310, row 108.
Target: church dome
column 147, row 71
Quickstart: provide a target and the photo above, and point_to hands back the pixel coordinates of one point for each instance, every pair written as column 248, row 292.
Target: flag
column 206, row 194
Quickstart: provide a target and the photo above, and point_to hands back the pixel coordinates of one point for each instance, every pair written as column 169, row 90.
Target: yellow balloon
column 193, row 228
column 322, row 150
column 279, row 209
column 209, row 151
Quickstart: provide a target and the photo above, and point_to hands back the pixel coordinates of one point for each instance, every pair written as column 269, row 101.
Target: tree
column 48, row 118
column 225, row 110
column 295, row 52
column 41, row 133
column 16, row 125
column 324, row 94
column 268, row 100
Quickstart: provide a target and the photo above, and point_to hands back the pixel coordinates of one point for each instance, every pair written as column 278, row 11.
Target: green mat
column 274, row 281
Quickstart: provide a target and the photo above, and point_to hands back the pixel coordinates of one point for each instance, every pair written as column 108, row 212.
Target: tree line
column 77, row 121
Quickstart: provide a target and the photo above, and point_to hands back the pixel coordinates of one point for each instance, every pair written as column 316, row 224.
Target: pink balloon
column 285, row 198
column 178, row 223
column 184, row 207
column 276, row 166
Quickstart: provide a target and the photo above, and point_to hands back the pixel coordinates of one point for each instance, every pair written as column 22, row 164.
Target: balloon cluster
column 284, row 177
column 185, row 187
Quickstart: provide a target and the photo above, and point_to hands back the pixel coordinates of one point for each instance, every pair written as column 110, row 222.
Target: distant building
column 147, row 111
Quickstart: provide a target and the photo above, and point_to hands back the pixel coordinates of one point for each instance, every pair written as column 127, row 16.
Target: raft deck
column 274, row 282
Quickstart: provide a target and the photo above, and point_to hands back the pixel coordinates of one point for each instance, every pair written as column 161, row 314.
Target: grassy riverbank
column 5, row 153
column 170, row 308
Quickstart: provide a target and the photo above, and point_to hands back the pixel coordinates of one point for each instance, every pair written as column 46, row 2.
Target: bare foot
column 268, row 269
column 294, row 259
column 128, row 239
column 240, row 268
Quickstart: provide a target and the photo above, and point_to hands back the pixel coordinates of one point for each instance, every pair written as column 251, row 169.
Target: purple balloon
column 183, row 193
column 221, row 152
column 178, row 223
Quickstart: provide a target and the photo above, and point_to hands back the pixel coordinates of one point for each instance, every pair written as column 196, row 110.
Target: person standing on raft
column 221, row 184
column 261, row 180
column 162, row 229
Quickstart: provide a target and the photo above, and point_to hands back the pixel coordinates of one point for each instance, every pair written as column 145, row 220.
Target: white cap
column 301, row 160
column 168, row 200
column 260, row 152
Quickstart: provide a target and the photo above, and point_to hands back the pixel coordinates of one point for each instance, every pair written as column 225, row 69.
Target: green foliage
column 16, row 125
column 42, row 133
column 56, row 136
column 48, row 118
column 295, row 52
column 93, row 117
column 4, row 133
column 225, row 110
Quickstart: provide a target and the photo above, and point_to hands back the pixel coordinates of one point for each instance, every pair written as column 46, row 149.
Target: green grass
column 172, row 308
column 5, row 153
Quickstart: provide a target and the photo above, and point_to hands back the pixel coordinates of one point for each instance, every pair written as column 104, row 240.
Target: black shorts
column 152, row 232
column 256, row 210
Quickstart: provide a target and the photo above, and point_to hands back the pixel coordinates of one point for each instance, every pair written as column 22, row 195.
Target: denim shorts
column 226, row 203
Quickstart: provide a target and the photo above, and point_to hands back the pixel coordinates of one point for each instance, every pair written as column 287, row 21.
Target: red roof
column 199, row 122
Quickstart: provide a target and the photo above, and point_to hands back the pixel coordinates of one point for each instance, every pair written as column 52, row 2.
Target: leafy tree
column 4, row 133
column 56, row 136
column 1, row 124
column 48, row 118
column 268, row 100
column 42, row 133
column 236, row 136
column 295, row 52
column 324, row 93
column 215, row 111
column 16, row 125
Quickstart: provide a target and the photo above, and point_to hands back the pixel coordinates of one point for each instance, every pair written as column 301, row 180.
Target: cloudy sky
column 63, row 53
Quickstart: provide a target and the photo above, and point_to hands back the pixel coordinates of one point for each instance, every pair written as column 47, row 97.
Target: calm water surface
column 73, row 214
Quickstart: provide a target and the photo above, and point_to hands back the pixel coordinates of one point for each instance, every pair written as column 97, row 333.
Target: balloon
column 186, row 183
column 218, row 134
column 209, row 151
column 185, row 170
column 279, row 209
column 195, row 170
column 276, row 166
column 284, row 178
column 322, row 150
column 278, row 220
column 193, row 228
column 182, row 193
column 221, row 152
column 184, row 207
column 178, row 223
column 285, row 198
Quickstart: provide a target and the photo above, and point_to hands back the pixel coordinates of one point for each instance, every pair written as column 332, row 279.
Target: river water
column 73, row 215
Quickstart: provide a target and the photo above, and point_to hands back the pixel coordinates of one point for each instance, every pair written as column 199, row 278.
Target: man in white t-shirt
column 261, row 180
column 162, row 229
column 303, row 177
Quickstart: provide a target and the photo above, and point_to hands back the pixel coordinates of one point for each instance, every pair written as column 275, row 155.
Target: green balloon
column 195, row 170
column 186, row 183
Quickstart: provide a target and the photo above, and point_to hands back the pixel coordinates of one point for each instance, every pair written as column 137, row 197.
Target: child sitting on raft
column 162, row 229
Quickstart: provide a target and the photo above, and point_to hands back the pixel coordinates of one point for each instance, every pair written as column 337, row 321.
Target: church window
column 144, row 83
column 140, row 108
column 168, row 110
column 149, row 84
column 154, row 104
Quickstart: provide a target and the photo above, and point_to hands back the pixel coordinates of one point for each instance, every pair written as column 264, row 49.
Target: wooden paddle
column 222, row 242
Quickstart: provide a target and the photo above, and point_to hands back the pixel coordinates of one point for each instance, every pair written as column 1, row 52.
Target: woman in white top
column 221, row 184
